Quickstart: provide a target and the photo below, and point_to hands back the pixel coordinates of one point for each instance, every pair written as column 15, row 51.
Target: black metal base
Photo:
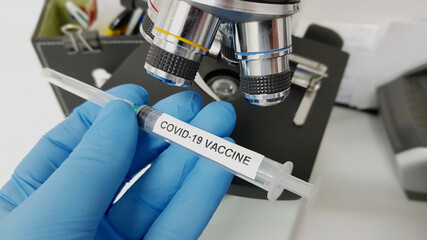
column 267, row 130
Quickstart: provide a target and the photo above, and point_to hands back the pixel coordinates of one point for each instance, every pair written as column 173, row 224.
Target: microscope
column 240, row 51
column 255, row 34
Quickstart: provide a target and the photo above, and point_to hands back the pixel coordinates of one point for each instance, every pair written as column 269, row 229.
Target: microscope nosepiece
column 183, row 34
column 262, row 48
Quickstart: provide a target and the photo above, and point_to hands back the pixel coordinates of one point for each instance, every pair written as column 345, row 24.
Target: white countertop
column 360, row 196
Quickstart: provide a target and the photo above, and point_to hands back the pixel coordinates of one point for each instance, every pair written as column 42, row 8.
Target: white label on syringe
column 230, row 155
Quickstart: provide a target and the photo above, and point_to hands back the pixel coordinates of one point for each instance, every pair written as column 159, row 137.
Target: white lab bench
column 360, row 197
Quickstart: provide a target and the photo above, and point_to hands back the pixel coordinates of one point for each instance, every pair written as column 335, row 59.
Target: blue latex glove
column 65, row 187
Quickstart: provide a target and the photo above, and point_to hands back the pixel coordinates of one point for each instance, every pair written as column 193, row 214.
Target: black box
column 55, row 50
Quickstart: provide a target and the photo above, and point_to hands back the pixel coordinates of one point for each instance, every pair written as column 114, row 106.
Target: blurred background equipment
column 372, row 42
column 78, row 51
column 403, row 110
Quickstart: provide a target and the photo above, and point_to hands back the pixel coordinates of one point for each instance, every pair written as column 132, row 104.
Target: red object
column 154, row 7
column 83, row 9
column 92, row 12
column 92, row 17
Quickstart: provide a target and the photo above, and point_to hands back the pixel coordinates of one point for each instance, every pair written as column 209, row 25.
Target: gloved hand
column 65, row 187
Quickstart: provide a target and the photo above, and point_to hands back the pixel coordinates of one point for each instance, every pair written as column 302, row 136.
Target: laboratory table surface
column 360, row 197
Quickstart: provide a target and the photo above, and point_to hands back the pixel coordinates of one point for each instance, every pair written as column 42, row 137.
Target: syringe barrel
column 244, row 163
column 268, row 174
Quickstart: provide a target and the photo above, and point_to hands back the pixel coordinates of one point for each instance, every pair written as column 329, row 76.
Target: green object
column 136, row 107
column 56, row 15
column 83, row 17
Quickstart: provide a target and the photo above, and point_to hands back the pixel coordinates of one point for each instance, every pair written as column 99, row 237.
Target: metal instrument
column 256, row 34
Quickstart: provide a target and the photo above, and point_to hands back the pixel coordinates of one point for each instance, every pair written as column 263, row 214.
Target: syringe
column 253, row 167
